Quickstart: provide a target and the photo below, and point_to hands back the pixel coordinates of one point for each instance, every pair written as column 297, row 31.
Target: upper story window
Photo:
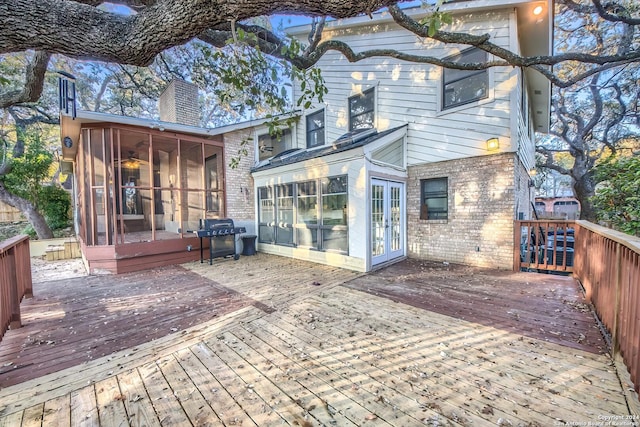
column 464, row 86
column 362, row 110
column 269, row 146
column 435, row 199
column 315, row 129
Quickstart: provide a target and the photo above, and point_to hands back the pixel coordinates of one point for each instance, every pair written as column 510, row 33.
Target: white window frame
column 264, row 131
column 306, row 130
column 481, row 101
column 373, row 88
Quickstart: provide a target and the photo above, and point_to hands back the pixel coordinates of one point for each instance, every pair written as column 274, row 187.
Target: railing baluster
column 15, row 280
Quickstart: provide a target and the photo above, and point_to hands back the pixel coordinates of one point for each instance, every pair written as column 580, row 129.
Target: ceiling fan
column 132, row 161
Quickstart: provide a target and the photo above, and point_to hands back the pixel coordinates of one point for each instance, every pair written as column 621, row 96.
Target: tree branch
column 34, row 82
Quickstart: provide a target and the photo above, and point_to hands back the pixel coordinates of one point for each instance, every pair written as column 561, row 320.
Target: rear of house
column 401, row 159
column 432, row 163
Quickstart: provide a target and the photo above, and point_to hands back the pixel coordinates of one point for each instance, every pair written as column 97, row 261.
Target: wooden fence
column 607, row 264
column 9, row 213
column 15, row 280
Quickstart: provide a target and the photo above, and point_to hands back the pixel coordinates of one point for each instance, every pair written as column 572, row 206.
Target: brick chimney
column 178, row 103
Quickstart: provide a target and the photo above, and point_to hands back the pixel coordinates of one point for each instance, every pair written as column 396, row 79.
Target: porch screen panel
column 99, row 193
column 213, row 181
column 266, row 215
column 191, row 163
column 134, row 194
column 192, row 209
column 88, row 226
column 165, row 190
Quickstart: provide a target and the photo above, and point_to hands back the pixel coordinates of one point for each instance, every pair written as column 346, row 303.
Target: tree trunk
column 33, row 216
column 584, row 189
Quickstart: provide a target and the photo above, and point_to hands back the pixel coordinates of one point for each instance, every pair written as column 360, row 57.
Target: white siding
column 409, row 92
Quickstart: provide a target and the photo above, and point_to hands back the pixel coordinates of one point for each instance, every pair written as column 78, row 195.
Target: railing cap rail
column 5, row 245
column 627, row 240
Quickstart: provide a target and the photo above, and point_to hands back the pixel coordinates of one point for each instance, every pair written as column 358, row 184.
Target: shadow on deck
column 269, row 340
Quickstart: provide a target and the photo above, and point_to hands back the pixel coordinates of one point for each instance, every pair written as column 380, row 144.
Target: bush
column 55, row 205
column 617, row 197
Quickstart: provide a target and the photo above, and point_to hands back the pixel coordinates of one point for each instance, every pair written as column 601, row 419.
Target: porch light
column 493, row 144
column 537, row 10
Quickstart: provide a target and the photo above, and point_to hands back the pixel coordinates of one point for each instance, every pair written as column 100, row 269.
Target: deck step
column 68, row 250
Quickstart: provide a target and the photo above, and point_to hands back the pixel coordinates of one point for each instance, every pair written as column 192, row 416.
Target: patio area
column 273, row 341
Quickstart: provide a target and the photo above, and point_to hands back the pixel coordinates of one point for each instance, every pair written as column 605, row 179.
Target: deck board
column 356, row 349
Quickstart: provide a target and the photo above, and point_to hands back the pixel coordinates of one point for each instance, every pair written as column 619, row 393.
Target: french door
column 387, row 220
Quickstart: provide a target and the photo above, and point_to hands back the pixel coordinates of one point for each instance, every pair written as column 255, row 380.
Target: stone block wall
column 178, row 103
column 484, row 194
column 238, row 182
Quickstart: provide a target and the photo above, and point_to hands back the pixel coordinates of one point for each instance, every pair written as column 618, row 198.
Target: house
column 562, row 208
column 405, row 159
column 401, row 160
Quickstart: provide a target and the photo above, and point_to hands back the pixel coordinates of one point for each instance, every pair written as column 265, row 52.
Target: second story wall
column 412, row 93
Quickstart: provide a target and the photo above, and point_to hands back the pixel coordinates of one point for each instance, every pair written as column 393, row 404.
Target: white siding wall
column 410, row 92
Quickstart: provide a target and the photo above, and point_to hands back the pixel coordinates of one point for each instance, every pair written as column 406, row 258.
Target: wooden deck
column 273, row 341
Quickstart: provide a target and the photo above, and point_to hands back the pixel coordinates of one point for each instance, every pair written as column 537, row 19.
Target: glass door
column 387, row 220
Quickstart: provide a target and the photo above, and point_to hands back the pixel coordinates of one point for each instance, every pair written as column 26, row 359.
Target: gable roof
column 348, row 141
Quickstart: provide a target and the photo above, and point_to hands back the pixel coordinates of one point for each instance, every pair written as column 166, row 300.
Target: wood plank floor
column 304, row 350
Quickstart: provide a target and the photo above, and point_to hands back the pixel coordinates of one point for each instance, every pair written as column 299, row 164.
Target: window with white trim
column 309, row 214
column 271, row 145
column 461, row 87
column 362, row 110
column 315, row 129
column 434, row 198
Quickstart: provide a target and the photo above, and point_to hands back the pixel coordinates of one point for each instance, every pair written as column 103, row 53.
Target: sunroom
column 340, row 204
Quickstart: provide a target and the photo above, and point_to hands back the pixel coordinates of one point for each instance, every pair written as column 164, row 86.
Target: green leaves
column 435, row 19
column 617, row 198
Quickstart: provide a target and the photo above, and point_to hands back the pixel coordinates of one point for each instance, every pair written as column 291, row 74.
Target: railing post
column 516, row 245
column 14, row 296
column 615, row 347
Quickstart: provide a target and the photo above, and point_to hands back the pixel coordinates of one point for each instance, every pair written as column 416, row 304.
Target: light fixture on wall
column 537, row 10
column 493, row 144
column 67, row 141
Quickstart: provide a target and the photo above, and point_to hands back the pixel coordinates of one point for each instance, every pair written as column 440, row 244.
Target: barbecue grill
column 222, row 238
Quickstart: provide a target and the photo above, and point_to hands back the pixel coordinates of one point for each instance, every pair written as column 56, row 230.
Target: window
column 434, row 204
column 284, row 225
column 334, row 214
column 310, row 214
column 269, row 146
column 362, row 110
column 464, row 86
column 315, row 129
column 266, row 215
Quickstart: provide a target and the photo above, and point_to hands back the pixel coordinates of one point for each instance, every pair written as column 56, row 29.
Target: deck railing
column 15, row 280
column 544, row 245
column 607, row 264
